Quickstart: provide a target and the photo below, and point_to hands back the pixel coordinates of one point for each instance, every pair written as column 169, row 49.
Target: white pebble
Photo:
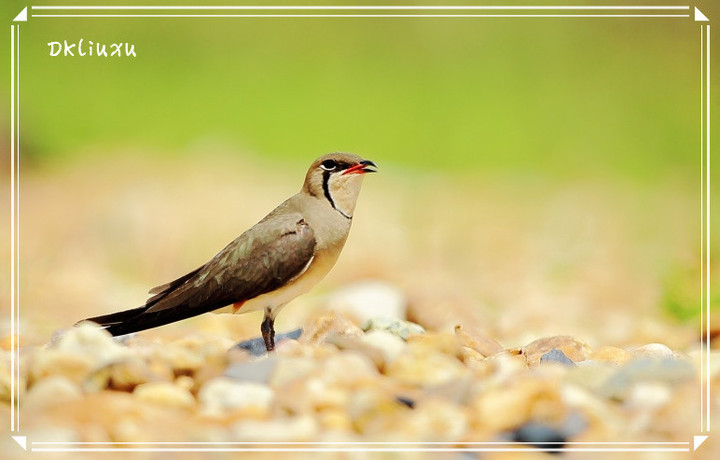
column 223, row 394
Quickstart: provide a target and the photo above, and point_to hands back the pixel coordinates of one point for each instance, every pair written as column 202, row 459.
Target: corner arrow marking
column 22, row 17
column 699, row 16
column 22, row 440
column 698, row 440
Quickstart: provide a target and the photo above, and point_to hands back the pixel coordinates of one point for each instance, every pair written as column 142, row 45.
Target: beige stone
column 427, row 369
column 221, row 395
column 56, row 389
column 610, row 355
column 327, row 325
column 165, row 394
column 573, row 348
column 478, row 341
column 652, row 351
column 506, row 407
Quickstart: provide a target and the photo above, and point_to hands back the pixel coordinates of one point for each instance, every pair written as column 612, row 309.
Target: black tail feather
column 139, row 319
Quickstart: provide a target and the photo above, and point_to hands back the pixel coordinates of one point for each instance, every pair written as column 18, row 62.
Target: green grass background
column 563, row 96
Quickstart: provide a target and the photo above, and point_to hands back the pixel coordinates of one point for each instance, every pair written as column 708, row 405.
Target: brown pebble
column 573, row 348
column 610, row 355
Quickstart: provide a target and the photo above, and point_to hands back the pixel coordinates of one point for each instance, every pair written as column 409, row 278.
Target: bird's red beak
column 365, row 166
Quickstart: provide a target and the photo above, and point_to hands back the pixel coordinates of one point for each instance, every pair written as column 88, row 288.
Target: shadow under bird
column 282, row 256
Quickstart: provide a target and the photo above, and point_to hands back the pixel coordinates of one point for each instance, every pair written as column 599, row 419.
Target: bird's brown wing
column 262, row 259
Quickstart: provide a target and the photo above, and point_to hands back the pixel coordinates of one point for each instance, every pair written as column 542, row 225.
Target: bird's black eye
column 329, row 165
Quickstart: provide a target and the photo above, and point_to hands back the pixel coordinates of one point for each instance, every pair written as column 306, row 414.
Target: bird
column 281, row 257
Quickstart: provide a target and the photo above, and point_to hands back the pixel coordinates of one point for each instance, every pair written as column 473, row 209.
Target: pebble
column 668, row 371
column 221, row 395
column 652, row 351
column 127, row 374
column 611, row 355
column 45, row 363
column 576, row 350
column 253, row 371
column 365, row 300
column 397, row 327
column 348, row 368
column 56, row 389
column 540, row 435
column 505, row 407
column 436, row 420
column 289, row 369
column 329, row 325
column 648, row 395
column 299, row 428
column 164, row 394
column 93, row 342
column 389, row 345
column 556, row 356
column 445, row 343
column 388, row 382
column 75, row 353
column 5, row 382
column 426, row 370
column 477, row 341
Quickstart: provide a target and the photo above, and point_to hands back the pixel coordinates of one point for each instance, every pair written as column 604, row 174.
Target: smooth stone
column 591, row 375
column 365, row 300
column 652, row 351
column 164, row 394
column 47, row 362
column 573, row 348
column 90, row 340
column 127, row 374
column 611, row 355
column 436, row 420
column 193, row 353
column 289, row 369
column 501, row 367
column 334, row 420
column 648, row 395
column 505, row 406
column 312, row 394
column 539, row 435
column 445, row 343
column 223, row 394
column 668, row 371
column 328, row 325
column 574, row 424
column 426, row 370
column 348, row 368
column 397, row 327
column 56, row 389
column 478, row 341
column 256, row 345
column 556, row 356
column 298, row 428
column 361, row 345
column 389, row 345
column 253, row 371
column 6, row 382
column 77, row 352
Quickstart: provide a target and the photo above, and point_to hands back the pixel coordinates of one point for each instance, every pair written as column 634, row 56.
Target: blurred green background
column 558, row 96
column 558, row 100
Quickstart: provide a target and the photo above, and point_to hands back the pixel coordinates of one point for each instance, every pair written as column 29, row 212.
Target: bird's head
column 337, row 178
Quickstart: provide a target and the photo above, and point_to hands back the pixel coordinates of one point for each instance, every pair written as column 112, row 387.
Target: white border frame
column 377, row 11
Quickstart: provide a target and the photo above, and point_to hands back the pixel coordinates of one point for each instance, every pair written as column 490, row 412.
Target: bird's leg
column 268, row 331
